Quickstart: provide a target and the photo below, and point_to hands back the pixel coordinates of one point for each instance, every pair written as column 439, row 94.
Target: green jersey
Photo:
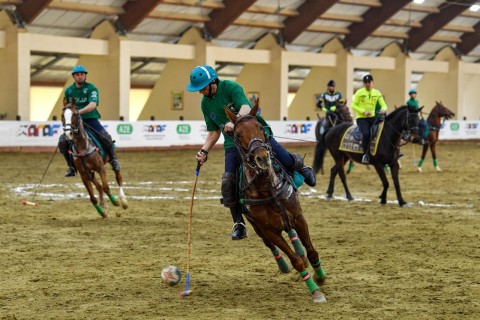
column 83, row 96
column 412, row 103
column 228, row 94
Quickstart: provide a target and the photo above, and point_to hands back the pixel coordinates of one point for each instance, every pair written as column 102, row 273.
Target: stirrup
column 239, row 231
column 71, row 172
column 365, row 159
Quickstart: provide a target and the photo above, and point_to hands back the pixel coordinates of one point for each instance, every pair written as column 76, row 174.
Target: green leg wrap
column 319, row 272
column 435, row 163
column 420, row 163
column 113, row 199
column 311, row 285
column 98, row 207
column 350, row 166
column 297, row 245
column 282, row 264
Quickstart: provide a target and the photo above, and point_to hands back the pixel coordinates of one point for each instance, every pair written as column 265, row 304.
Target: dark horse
column 340, row 115
column 432, row 129
column 87, row 160
column 271, row 202
column 402, row 121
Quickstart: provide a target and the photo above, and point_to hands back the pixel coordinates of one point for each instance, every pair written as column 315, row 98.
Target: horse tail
column 319, row 155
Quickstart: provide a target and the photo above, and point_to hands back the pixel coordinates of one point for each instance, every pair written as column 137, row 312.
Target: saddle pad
column 350, row 144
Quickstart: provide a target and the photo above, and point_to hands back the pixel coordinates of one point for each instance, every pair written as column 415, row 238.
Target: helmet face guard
column 78, row 69
column 201, row 77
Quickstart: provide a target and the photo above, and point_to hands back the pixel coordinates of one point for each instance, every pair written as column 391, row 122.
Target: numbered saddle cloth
column 352, row 139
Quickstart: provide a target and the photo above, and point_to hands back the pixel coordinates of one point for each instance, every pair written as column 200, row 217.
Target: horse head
column 250, row 139
column 442, row 111
column 71, row 120
column 411, row 123
column 343, row 111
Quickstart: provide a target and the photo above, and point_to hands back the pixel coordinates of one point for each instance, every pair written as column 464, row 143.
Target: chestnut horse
column 271, row 202
column 340, row 115
column 402, row 121
column 433, row 125
column 87, row 160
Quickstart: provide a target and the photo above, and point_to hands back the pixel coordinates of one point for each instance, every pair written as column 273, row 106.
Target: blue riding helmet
column 412, row 91
column 331, row 83
column 79, row 68
column 200, row 77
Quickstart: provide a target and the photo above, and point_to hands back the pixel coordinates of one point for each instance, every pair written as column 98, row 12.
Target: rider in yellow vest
column 364, row 104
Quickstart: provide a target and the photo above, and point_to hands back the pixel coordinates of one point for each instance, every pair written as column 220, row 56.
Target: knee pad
column 229, row 190
column 63, row 144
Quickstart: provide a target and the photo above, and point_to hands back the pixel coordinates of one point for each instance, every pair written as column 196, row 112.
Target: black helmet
column 331, row 83
column 367, row 78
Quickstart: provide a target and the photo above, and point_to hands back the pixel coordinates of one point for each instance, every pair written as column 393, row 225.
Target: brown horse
column 87, row 160
column 340, row 115
column 271, row 202
column 433, row 125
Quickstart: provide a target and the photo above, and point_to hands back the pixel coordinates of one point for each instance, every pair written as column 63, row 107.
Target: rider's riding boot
column 113, row 158
column 239, row 230
column 71, row 171
column 306, row 172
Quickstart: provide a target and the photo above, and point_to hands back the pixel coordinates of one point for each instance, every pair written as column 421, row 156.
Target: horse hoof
column 318, row 296
column 419, row 170
column 329, row 197
column 103, row 215
column 406, row 205
column 124, row 202
column 118, row 214
column 438, row 169
column 350, row 198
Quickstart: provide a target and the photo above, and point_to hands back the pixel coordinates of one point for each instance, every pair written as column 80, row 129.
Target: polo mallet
column 189, row 241
column 31, row 202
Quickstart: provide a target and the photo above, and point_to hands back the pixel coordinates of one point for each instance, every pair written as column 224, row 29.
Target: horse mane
column 396, row 111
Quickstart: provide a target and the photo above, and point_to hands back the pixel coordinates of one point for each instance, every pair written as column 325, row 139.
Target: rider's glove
column 204, row 153
column 333, row 109
column 324, row 109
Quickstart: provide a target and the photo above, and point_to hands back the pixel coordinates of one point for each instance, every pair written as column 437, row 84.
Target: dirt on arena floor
column 60, row 260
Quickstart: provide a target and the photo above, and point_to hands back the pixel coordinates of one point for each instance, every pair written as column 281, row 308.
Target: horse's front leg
column 301, row 227
column 381, row 173
column 433, row 149
column 297, row 263
column 395, row 169
column 331, row 184
column 93, row 199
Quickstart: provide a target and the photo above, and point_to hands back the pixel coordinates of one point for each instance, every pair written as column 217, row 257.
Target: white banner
column 182, row 133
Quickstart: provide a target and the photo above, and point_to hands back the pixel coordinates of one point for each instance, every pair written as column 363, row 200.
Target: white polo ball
column 171, row 276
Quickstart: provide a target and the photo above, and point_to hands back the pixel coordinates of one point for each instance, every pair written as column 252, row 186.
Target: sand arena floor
column 60, row 260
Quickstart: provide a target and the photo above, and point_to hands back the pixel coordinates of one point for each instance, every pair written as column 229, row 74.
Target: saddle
column 352, row 139
column 98, row 145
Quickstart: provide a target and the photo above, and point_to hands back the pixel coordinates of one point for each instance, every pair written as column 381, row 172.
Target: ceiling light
column 475, row 8
column 418, row 1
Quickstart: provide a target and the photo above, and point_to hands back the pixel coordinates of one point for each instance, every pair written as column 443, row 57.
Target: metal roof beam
column 372, row 19
column 135, row 12
column 469, row 40
column 308, row 12
column 222, row 18
column 30, row 9
column 433, row 23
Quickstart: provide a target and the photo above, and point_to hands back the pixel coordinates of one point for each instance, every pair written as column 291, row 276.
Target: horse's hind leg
column 381, row 173
column 343, row 177
column 282, row 264
column 433, row 149
column 424, row 153
column 123, row 198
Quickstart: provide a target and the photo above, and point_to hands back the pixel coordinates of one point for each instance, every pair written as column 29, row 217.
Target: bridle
column 246, row 153
column 73, row 124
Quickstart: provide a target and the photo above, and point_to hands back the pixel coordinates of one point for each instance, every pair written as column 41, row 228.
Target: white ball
column 171, row 275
